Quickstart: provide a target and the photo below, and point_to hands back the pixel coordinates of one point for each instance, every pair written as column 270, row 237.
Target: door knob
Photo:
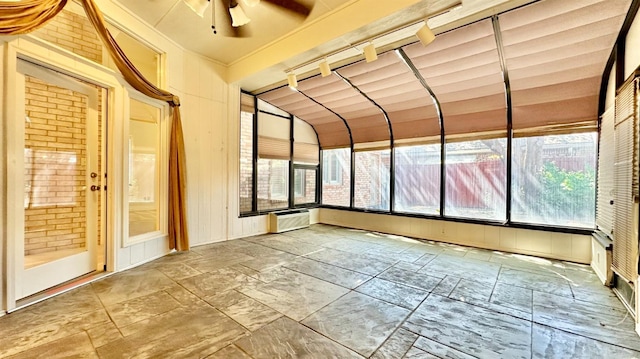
column 94, row 188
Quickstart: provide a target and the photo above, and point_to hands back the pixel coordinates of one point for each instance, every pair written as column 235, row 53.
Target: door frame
column 52, row 57
column 33, row 280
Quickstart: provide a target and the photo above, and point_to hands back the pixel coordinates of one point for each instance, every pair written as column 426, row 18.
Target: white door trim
column 42, row 53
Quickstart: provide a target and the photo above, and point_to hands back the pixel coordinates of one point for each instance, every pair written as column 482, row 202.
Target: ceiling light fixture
column 370, row 53
column 325, row 70
column 425, row 35
column 292, row 80
column 198, row 6
column 238, row 17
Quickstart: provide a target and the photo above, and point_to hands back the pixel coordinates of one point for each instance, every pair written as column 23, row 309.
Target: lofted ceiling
column 176, row 20
column 280, row 42
column 552, row 52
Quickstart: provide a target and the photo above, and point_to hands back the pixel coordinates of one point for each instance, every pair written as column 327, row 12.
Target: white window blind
column 247, row 103
column 305, row 146
column 604, row 207
column 625, row 244
column 273, row 137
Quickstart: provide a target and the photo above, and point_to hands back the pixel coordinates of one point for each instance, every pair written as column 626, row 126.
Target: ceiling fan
column 229, row 18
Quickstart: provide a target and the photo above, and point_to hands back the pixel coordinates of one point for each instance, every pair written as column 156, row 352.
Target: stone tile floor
column 330, row 292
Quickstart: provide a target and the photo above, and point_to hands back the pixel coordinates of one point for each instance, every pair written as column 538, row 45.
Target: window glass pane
column 554, row 180
column 304, row 186
column 246, row 162
column 336, row 177
column 144, row 190
column 418, row 179
column 372, row 180
column 273, row 184
column 476, row 179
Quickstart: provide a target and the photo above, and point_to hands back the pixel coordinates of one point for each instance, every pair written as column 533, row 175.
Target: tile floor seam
column 421, row 336
column 324, row 335
column 404, row 321
column 586, row 336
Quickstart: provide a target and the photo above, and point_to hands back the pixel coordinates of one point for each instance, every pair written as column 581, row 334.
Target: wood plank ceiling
column 550, row 54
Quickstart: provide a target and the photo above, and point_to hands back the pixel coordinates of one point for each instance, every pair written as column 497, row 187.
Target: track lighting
column 425, row 35
column 292, row 80
column 198, row 6
column 325, row 70
column 238, row 17
column 370, row 53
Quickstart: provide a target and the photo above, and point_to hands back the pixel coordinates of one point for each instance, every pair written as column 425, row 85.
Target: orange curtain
column 24, row 16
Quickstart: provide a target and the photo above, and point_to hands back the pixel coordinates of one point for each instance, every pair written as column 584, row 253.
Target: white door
column 62, row 178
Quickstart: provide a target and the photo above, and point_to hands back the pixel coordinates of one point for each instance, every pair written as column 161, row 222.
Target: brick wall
column 55, row 165
column 74, row 33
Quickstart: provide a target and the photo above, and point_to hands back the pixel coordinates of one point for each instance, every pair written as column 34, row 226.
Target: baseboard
column 601, row 276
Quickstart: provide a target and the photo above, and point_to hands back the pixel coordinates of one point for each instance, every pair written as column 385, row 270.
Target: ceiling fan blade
column 222, row 21
column 296, row 7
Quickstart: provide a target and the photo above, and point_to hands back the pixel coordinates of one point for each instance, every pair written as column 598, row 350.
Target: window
column 305, row 185
column 553, row 180
column 274, row 154
column 269, row 177
column 476, row 179
column 336, row 177
column 417, row 187
column 247, row 111
column 273, row 184
column 147, row 170
column 372, row 180
column 332, row 169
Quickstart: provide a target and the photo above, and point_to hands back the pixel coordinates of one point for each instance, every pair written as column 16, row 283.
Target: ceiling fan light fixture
column 238, row 17
column 251, row 3
column 425, row 35
column 198, row 6
column 370, row 53
column 325, row 70
column 292, row 80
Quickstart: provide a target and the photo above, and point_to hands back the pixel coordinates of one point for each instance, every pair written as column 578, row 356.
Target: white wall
column 571, row 247
column 210, row 115
column 211, row 124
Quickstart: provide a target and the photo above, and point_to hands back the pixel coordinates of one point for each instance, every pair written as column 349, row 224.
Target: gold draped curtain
column 25, row 16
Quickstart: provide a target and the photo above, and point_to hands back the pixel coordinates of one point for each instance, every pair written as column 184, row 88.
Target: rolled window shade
column 558, row 129
column 371, row 146
column 417, row 141
column 273, row 148
column 487, row 135
column 273, row 137
column 247, row 103
column 306, row 153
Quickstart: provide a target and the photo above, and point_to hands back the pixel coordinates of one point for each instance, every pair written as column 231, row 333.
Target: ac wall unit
column 289, row 220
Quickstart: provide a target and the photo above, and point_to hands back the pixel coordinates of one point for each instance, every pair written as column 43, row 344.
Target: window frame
column 290, row 169
column 163, row 169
